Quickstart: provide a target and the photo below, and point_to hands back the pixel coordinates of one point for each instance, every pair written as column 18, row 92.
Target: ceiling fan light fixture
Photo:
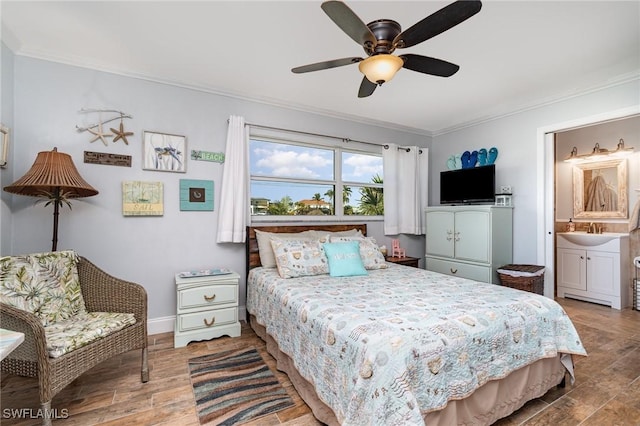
column 380, row 68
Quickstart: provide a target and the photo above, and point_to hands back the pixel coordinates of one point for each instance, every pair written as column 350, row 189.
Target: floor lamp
column 53, row 176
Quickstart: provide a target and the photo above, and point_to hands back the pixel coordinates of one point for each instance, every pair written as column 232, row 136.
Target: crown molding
column 83, row 63
column 622, row 79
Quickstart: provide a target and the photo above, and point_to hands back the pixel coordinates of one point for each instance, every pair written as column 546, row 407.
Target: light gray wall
column 607, row 135
column 515, row 136
column 148, row 250
column 48, row 96
column 6, row 118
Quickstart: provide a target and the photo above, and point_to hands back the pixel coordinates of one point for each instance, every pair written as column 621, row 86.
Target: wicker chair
column 101, row 293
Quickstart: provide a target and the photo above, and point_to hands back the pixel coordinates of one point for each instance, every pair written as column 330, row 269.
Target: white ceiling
column 513, row 55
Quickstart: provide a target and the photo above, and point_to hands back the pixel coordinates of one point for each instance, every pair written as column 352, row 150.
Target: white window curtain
column 234, row 192
column 405, row 186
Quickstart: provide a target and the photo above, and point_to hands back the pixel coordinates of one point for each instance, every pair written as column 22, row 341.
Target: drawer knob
column 453, row 271
column 207, row 323
column 210, row 298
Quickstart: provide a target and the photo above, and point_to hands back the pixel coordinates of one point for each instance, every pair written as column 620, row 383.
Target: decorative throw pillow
column 369, row 251
column 297, row 258
column 344, row 259
column 45, row 284
column 348, row 233
column 265, row 250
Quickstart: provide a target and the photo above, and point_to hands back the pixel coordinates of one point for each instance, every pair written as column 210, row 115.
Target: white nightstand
column 207, row 307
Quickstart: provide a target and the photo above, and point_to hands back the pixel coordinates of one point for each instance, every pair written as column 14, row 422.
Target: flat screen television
column 475, row 185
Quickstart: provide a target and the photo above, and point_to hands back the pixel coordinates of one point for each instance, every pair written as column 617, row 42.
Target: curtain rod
column 345, row 140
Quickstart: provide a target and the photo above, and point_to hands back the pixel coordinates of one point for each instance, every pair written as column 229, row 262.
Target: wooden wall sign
column 108, row 159
column 196, row 195
column 217, row 157
column 142, row 198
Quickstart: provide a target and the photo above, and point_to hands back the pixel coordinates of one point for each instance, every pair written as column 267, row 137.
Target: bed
column 402, row 345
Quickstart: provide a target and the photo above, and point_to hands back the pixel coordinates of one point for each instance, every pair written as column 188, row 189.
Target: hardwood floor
column 606, row 392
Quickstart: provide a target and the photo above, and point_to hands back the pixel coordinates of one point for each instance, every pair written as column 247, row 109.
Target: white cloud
column 289, row 163
column 362, row 166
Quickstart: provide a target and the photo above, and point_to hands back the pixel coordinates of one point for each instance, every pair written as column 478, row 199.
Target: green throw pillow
column 344, row 259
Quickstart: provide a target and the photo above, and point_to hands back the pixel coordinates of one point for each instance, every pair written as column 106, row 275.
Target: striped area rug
column 234, row 387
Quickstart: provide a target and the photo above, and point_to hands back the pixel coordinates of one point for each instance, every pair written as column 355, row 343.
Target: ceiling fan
column 382, row 37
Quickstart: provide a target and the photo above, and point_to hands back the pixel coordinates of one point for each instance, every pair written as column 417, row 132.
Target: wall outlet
column 505, row 189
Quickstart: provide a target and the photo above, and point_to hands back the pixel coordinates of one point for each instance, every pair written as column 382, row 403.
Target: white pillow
column 267, row 259
column 348, row 233
column 370, row 253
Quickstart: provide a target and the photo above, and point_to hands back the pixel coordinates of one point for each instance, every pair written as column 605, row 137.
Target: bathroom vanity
column 594, row 268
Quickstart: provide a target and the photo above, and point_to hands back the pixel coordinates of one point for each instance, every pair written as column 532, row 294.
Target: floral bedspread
column 400, row 342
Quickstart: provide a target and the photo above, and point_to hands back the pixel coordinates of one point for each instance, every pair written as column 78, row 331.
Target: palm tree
column 346, row 193
column 372, row 199
column 317, row 197
column 330, row 194
column 280, row 208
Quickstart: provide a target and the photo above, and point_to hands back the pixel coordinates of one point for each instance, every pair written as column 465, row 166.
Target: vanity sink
column 585, row 239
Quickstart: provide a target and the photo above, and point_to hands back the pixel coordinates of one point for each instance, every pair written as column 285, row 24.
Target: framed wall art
column 4, row 145
column 142, row 198
column 196, row 195
column 164, row 152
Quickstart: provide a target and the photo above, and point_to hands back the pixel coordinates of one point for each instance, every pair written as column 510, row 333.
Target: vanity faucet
column 594, row 228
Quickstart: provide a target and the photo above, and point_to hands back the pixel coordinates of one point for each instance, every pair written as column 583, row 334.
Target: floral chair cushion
column 45, row 284
column 81, row 329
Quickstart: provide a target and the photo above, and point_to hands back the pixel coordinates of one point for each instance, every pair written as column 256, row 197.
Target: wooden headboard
column 253, row 256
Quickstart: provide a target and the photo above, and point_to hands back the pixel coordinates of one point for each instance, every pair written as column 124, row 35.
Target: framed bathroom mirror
column 600, row 189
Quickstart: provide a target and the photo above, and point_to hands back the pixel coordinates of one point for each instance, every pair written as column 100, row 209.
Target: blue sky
column 302, row 162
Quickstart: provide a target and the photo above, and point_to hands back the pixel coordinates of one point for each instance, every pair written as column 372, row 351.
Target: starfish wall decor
column 99, row 134
column 121, row 134
column 97, row 130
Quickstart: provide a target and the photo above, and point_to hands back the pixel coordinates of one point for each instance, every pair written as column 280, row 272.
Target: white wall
column 6, row 118
column 48, row 96
column 148, row 250
column 515, row 136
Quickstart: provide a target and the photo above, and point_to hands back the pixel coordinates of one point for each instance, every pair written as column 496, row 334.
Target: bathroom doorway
column 547, row 184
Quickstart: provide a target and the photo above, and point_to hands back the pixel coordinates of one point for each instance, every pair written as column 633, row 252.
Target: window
column 305, row 179
column 362, row 184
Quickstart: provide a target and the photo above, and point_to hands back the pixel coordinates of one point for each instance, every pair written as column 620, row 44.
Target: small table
column 207, row 307
column 9, row 340
column 409, row 261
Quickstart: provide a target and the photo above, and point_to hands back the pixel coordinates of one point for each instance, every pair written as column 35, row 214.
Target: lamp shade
column 52, row 171
column 380, row 68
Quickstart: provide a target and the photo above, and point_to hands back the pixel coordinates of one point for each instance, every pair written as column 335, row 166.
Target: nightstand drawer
column 207, row 319
column 205, row 296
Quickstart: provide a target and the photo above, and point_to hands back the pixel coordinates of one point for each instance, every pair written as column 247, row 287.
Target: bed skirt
column 492, row 401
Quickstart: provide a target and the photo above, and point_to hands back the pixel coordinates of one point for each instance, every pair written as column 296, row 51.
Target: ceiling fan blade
column 349, row 22
column 427, row 65
column 438, row 22
column 366, row 88
column 325, row 65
